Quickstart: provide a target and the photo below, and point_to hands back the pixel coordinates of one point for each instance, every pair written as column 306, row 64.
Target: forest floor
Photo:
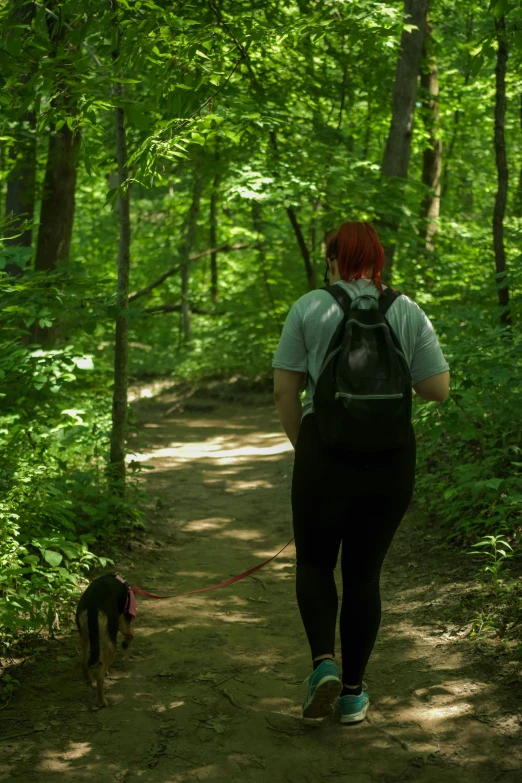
column 211, row 688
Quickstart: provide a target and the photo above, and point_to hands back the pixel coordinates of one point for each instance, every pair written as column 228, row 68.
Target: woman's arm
column 287, row 385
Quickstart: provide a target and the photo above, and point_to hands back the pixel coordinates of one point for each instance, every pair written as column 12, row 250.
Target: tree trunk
column 213, row 239
column 518, row 201
column 305, row 253
column 19, row 204
column 190, row 236
column 368, row 128
column 502, row 170
column 117, row 470
column 57, row 210
column 398, row 144
column 432, row 158
column 310, row 274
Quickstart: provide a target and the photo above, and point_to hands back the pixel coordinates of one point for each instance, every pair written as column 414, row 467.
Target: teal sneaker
column 324, row 686
column 354, row 708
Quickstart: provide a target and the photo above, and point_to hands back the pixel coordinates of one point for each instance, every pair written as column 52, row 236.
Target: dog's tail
column 94, row 635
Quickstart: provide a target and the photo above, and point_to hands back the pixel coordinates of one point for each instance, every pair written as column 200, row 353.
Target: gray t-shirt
column 312, row 320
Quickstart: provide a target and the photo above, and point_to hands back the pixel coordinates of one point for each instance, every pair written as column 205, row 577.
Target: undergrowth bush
column 55, row 505
column 470, row 447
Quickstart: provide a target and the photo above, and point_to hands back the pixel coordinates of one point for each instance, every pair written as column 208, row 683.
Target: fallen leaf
column 217, row 723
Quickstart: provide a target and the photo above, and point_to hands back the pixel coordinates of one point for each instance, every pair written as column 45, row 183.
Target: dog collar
column 130, row 603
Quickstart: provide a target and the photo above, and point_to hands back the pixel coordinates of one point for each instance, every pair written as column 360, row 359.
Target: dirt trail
column 211, row 689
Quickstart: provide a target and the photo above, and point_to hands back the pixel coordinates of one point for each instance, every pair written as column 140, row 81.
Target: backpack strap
column 342, row 298
column 385, row 302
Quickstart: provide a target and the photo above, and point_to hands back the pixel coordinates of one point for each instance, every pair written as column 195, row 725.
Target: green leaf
column 136, row 117
column 13, row 44
column 476, row 64
column 52, row 557
column 71, row 551
column 500, row 8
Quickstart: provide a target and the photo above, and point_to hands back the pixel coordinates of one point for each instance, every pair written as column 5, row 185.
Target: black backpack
column 363, row 396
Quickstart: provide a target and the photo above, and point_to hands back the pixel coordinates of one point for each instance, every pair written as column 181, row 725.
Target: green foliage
column 471, row 444
column 54, row 502
column 495, row 558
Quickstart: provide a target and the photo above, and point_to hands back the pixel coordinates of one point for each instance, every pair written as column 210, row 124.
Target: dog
column 107, row 606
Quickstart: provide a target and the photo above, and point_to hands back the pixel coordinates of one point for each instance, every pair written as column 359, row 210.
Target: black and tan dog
column 106, row 607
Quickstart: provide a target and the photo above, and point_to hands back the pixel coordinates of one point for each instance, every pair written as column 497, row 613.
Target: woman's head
column 358, row 252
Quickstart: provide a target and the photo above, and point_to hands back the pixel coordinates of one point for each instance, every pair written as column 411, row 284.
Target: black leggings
column 359, row 499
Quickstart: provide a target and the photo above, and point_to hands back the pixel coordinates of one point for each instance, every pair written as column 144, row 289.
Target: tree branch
column 222, row 249
column 144, row 291
column 177, row 308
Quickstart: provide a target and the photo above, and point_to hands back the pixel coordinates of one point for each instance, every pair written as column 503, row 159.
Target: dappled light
column 198, row 525
column 242, row 535
column 186, row 452
column 62, row 761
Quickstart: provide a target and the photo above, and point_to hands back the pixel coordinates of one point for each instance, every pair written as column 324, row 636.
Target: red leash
column 212, row 587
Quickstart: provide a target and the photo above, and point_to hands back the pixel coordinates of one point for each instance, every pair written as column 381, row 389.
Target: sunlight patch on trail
column 211, row 523
column 244, row 486
column 59, row 761
column 210, row 450
column 242, row 535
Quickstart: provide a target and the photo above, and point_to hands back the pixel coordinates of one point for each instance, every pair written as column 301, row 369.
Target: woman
column 346, row 496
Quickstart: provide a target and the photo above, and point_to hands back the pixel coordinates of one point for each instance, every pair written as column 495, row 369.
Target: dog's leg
column 84, row 640
column 107, row 653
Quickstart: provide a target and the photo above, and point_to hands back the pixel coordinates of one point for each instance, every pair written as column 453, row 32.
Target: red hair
column 357, row 248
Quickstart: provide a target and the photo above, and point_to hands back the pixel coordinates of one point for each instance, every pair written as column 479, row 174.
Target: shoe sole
column 355, row 717
column 325, row 694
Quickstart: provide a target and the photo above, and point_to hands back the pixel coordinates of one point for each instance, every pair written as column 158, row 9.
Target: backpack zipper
column 370, row 396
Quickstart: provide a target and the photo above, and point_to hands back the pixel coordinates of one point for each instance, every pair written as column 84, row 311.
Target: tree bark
column 117, row 468
column 518, row 200
column 190, row 236
column 57, row 210
column 398, row 144
column 213, row 239
column 19, row 204
column 432, row 158
column 502, row 173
